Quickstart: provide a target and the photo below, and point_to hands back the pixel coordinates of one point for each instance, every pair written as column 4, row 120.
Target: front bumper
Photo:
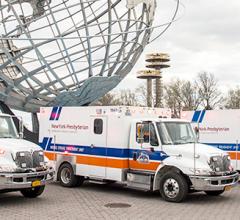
column 25, row 180
column 214, row 183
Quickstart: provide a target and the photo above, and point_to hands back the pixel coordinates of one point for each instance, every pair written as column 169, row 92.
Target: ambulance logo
column 143, row 158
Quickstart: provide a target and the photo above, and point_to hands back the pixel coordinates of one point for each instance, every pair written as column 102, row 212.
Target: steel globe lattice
column 68, row 52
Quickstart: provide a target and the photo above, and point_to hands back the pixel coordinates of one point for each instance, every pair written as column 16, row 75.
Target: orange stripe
column 103, row 162
column 123, row 164
column 96, row 161
column 50, row 156
column 141, row 166
column 234, row 155
column 109, row 162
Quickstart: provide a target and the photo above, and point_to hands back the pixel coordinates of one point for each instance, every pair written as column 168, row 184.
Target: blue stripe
column 46, row 143
column 202, row 116
column 58, row 113
column 103, row 151
column 196, row 116
column 225, row 146
column 43, row 144
column 53, row 113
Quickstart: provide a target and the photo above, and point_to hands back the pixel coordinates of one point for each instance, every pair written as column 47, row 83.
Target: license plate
column 228, row 188
column 36, row 183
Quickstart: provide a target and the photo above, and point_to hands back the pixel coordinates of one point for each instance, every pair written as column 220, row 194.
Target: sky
column 205, row 37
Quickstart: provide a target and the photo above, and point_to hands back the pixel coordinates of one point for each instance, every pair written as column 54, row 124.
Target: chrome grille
column 38, row 158
column 25, row 159
column 220, row 163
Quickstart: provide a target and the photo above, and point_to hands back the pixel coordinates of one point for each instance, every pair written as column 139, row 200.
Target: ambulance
column 218, row 128
column 23, row 166
column 141, row 148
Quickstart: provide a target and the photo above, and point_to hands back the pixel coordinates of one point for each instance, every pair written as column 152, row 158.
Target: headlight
column 2, row 152
column 215, row 159
column 49, row 163
column 200, row 171
column 7, row 168
column 46, row 160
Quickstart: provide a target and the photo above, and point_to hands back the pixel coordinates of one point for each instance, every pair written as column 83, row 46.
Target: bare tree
column 128, row 98
column 124, row 97
column 141, row 95
column 181, row 95
column 107, row 100
column 189, row 96
column 207, row 89
column 178, row 95
column 233, row 99
column 172, row 96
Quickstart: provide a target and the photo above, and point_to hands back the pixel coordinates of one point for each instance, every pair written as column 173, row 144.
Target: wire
column 170, row 23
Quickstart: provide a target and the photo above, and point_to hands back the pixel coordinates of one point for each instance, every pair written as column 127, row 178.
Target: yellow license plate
column 36, row 183
column 228, row 188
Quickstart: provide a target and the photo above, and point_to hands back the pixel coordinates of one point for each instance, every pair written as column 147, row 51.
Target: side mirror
column 196, row 129
column 152, row 149
column 140, row 140
column 21, row 128
column 140, row 137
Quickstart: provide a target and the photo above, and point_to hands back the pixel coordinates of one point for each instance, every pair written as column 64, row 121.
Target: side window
column 142, row 133
column 98, row 126
column 153, row 136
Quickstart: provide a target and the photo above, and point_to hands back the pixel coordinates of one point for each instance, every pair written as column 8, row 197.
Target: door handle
column 135, row 156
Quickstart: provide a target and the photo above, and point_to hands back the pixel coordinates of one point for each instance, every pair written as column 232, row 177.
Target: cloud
column 205, row 38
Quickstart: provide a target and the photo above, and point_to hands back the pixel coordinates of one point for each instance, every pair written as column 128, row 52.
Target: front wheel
column 33, row 192
column 214, row 193
column 173, row 187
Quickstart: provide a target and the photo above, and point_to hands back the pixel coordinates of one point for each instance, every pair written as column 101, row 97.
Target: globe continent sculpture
column 68, row 52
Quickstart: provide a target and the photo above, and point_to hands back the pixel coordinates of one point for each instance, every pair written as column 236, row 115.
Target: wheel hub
column 171, row 188
column 65, row 175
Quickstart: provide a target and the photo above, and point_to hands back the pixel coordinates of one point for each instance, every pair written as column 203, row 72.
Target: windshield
column 176, row 132
column 7, row 128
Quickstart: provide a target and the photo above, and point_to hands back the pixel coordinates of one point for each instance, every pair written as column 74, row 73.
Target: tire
column 173, row 187
column 67, row 178
column 33, row 192
column 214, row 193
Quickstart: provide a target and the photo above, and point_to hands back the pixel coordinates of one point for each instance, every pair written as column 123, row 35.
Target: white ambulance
column 142, row 148
column 219, row 128
column 23, row 166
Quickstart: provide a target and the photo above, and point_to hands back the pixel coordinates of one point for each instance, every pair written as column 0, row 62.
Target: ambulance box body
column 219, row 128
column 138, row 147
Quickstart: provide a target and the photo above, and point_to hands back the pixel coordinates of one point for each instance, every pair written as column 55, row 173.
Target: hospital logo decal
column 143, row 158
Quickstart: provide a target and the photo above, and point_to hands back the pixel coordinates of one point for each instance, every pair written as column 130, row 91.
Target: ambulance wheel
column 67, row 178
column 33, row 192
column 173, row 187
column 214, row 193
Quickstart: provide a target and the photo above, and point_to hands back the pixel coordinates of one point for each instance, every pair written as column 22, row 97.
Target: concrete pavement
column 92, row 201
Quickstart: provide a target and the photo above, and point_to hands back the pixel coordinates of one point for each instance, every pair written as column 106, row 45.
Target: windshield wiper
column 180, row 142
column 168, row 143
column 6, row 137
